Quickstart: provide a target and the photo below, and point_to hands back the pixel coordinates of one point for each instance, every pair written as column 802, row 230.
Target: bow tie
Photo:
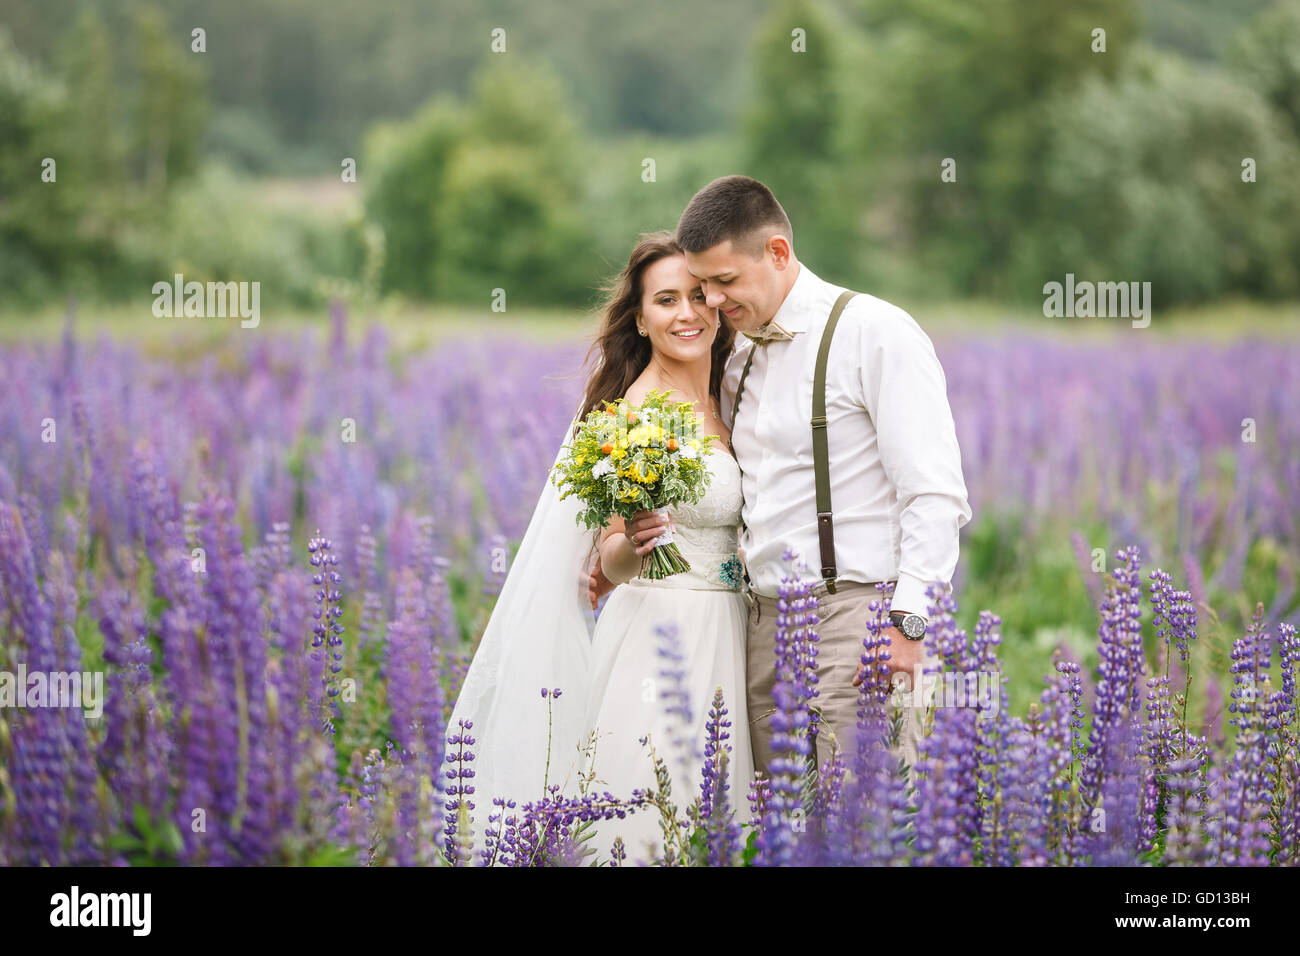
column 771, row 332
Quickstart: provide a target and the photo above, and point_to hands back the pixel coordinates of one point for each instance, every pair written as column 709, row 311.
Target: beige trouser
column 840, row 632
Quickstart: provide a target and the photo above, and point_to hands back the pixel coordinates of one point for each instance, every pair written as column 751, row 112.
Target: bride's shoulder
column 637, row 391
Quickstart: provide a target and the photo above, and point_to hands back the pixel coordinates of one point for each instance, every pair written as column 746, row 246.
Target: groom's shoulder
column 878, row 316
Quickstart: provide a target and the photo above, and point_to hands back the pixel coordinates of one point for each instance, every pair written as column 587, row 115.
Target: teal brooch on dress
column 732, row 572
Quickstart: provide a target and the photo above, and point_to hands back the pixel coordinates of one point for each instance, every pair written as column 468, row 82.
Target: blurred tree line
column 88, row 154
column 535, row 169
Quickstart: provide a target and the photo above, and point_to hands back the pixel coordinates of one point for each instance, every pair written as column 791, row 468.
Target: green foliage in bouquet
column 626, row 459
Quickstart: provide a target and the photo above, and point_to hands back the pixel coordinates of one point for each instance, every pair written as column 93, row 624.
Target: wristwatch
column 912, row 625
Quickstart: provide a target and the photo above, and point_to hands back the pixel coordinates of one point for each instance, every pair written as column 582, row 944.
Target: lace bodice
column 706, row 532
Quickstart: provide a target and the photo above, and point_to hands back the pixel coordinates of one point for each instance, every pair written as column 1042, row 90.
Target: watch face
column 913, row 626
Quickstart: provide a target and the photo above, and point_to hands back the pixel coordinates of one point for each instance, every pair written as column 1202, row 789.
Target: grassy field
column 1034, row 584
column 413, row 326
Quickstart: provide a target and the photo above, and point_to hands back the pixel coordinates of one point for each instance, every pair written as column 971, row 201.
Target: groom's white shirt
column 897, row 491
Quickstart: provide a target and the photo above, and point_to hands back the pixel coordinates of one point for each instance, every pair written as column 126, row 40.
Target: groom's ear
column 778, row 249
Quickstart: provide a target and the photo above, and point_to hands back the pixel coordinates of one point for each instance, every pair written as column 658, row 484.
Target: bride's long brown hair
column 623, row 353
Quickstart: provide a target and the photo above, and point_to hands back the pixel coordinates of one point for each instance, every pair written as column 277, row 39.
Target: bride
column 645, row 673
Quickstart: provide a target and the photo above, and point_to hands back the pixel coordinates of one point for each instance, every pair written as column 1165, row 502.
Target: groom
column 893, row 498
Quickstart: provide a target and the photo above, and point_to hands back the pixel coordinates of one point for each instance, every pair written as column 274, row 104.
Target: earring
column 642, row 331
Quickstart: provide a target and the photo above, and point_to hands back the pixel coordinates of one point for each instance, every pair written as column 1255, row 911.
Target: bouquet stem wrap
column 665, row 558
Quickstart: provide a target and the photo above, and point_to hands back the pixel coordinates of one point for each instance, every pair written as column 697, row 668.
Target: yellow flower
column 647, row 477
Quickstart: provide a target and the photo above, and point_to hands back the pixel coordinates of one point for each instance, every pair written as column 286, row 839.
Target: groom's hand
column 904, row 655
column 597, row 584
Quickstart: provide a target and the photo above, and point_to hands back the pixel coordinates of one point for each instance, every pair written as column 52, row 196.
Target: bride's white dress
column 629, row 695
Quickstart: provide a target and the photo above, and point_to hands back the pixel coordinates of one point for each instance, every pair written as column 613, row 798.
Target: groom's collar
column 795, row 310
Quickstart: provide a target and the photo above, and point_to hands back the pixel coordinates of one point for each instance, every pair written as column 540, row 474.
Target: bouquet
column 624, row 459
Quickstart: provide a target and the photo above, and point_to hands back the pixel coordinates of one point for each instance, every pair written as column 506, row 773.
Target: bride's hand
column 642, row 531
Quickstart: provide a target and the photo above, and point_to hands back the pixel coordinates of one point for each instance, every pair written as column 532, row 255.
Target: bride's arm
column 617, row 559
column 620, row 560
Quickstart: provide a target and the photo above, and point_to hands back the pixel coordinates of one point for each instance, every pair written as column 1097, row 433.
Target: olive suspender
column 821, row 454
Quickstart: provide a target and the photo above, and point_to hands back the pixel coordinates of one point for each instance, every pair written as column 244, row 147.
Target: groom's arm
column 906, row 395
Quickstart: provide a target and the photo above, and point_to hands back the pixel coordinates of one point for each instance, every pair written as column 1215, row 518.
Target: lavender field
column 279, row 553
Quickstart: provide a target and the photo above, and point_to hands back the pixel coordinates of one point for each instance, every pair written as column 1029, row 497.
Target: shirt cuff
column 909, row 595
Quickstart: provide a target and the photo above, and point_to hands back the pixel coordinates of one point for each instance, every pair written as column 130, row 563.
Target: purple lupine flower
column 947, row 788
column 459, row 845
column 369, row 794
column 793, row 725
column 1185, row 782
column 673, row 693
column 1251, row 659
column 992, row 736
column 1023, row 762
column 543, row 836
column 618, row 852
column 135, row 753
column 759, row 795
column 1288, row 646
column 39, row 736
column 1174, row 614
column 34, row 524
column 417, row 708
column 372, row 607
column 290, row 694
column 1239, row 802
column 328, row 632
column 84, row 810
column 722, row 832
column 715, row 750
column 1289, row 815
column 442, row 612
column 1161, row 741
column 237, row 615
column 1010, row 827
column 1114, row 821
column 1118, row 691
column 1049, row 766
column 501, row 833
column 863, row 811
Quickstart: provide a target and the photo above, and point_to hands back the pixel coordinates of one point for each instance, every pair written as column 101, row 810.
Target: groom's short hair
column 736, row 208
